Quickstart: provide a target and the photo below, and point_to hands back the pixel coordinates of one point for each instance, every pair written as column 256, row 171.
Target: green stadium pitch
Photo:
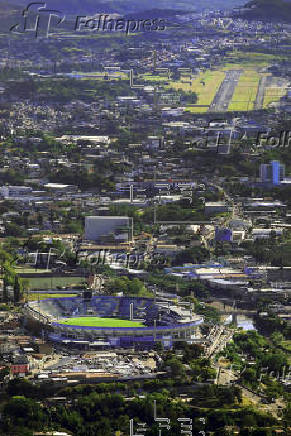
column 95, row 321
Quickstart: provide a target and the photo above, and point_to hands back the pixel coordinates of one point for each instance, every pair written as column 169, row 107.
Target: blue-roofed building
column 272, row 173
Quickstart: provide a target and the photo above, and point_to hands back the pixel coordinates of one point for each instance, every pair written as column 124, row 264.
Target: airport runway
column 264, row 81
column 224, row 94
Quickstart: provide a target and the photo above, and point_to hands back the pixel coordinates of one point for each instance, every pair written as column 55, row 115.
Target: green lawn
column 245, row 93
column 273, row 94
column 36, row 283
column 37, row 296
column 96, row 321
column 154, row 77
column 205, row 85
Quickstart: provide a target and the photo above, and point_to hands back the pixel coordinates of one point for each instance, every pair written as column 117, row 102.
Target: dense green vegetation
column 66, row 89
column 270, row 251
column 10, row 277
column 127, row 287
column 258, row 362
column 94, row 414
column 101, row 409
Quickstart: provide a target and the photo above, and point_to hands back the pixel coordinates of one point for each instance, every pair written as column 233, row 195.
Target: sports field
column 96, row 321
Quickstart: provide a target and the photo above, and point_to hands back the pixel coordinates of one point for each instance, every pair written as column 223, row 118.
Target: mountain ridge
column 268, row 10
column 128, row 6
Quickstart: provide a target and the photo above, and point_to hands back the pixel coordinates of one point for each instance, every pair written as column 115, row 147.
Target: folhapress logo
column 39, row 21
column 279, row 140
column 104, row 23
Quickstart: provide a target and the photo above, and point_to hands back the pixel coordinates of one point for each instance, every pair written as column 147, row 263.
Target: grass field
column 272, row 95
column 248, row 60
column 36, row 296
column 245, row 92
column 148, row 77
column 205, row 85
column 52, row 282
column 95, row 321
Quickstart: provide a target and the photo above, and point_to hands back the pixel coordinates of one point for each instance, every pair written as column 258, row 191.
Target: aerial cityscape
column 145, row 229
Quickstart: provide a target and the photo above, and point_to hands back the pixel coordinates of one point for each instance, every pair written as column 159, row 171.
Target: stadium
column 113, row 322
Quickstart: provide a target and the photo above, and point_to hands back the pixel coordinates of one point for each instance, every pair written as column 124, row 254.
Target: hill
column 268, row 10
column 130, row 6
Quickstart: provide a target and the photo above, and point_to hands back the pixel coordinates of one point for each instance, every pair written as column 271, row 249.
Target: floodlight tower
column 155, row 59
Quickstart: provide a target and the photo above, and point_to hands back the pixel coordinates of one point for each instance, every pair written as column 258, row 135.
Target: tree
column 3, row 373
column 277, row 337
column 17, row 290
column 23, row 411
column 22, row 387
column 192, row 255
column 192, row 352
column 249, row 420
column 176, row 366
column 250, row 375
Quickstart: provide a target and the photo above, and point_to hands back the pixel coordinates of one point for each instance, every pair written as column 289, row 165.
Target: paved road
column 219, row 339
column 224, row 94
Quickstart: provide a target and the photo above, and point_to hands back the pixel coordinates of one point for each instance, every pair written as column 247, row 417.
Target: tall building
column 272, row 173
column 97, row 227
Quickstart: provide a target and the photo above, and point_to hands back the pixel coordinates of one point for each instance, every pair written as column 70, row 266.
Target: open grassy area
column 245, row 93
column 244, row 65
column 52, row 282
column 273, row 94
column 37, row 296
column 248, row 60
column 148, row 77
column 205, row 85
column 95, row 321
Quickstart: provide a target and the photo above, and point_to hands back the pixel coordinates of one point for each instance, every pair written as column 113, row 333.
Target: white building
column 15, row 191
